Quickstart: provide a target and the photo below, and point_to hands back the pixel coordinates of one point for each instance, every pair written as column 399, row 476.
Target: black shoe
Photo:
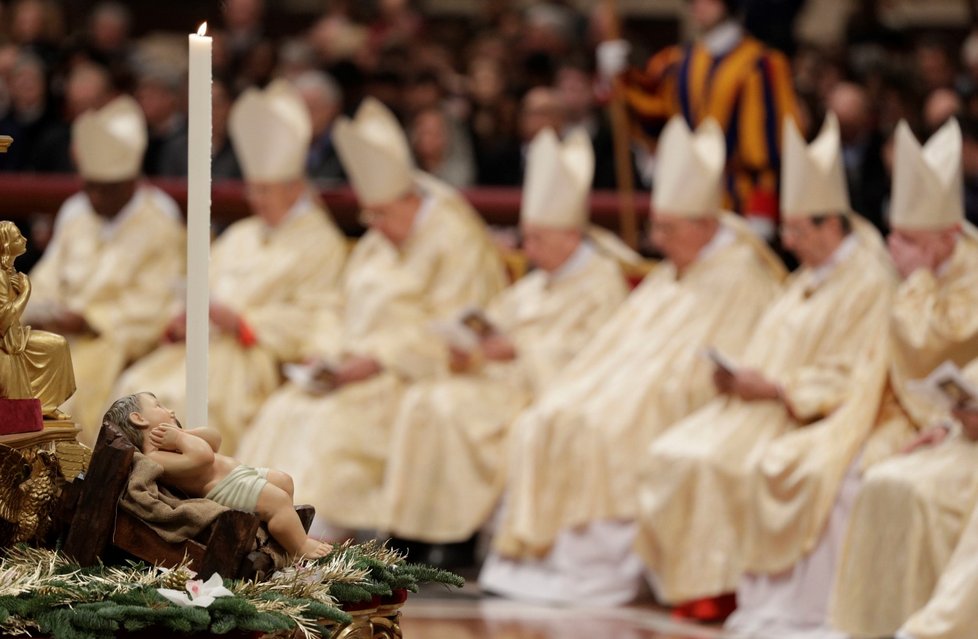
column 414, row 551
column 454, row 556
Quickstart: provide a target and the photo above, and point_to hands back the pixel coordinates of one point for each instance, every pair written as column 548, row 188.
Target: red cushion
column 20, row 416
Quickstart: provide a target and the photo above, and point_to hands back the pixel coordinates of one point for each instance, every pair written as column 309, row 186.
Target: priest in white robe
column 794, row 408
column 108, row 280
column 924, row 497
column 270, row 273
column 567, row 522
column 448, row 445
column 806, row 478
column 951, row 612
column 427, row 256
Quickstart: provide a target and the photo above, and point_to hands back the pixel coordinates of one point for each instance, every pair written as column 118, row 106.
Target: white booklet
column 720, row 360
column 947, row 387
column 466, row 331
column 317, row 378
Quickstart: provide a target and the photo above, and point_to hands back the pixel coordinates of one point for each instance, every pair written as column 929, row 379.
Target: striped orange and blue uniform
column 748, row 91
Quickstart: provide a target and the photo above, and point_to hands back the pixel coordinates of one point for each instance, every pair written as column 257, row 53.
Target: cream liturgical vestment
column 448, row 446
column 122, row 275
column 951, row 612
column 276, row 279
column 824, row 340
column 335, row 446
column 913, row 508
column 577, row 450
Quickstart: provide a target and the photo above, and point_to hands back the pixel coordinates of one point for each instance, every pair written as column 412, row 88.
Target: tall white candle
column 198, row 225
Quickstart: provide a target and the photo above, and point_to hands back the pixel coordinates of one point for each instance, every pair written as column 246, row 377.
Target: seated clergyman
column 192, row 464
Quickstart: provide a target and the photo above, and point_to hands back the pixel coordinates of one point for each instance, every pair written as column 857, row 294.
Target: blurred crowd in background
column 471, row 92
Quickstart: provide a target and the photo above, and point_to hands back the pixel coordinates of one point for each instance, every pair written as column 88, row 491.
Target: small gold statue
column 33, row 364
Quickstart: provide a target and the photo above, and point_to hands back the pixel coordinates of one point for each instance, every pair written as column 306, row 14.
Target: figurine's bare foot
column 314, row 549
column 57, row 415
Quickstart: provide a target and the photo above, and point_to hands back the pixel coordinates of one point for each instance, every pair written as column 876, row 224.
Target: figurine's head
column 12, row 244
column 136, row 413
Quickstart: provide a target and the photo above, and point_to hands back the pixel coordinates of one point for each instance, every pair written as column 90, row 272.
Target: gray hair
column 321, row 83
column 118, row 417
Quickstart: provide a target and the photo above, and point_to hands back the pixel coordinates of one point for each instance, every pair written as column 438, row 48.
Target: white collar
column 723, row 238
column 424, row 210
column 722, row 38
column 843, row 252
column 300, row 207
column 574, row 263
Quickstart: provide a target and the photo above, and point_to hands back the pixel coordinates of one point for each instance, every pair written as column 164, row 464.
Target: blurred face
column 271, row 201
column 486, row 81
column 681, row 239
column 322, row 111
column 394, row 220
column 108, row 198
column 850, row 104
column 940, row 106
column 109, row 30
column 540, row 110
column 158, row 102
column 576, row 93
column 429, row 138
column 938, row 245
column 27, row 87
column 88, row 88
column 242, row 14
column 549, row 248
column 28, row 21
column 707, row 14
column 810, row 242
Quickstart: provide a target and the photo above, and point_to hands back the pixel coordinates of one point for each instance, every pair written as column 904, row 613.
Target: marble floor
column 490, row 618
column 440, row 613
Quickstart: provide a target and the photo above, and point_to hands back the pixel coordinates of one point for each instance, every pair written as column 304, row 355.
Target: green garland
column 41, row 591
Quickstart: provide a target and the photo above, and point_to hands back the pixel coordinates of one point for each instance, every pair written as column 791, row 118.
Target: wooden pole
column 627, row 222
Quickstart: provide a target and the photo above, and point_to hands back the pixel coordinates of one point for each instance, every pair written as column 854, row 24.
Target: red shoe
column 708, row 610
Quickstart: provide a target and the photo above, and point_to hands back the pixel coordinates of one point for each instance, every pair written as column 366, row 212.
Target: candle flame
column 203, row 29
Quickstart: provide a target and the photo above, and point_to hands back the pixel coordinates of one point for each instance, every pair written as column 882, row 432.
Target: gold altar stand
column 34, row 470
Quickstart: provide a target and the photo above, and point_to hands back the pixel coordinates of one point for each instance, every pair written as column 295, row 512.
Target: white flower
column 199, row 593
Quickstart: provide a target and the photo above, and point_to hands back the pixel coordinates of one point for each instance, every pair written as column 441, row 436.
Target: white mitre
column 558, row 180
column 928, row 182
column 375, row 153
column 271, row 132
column 813, row 179
column 689, row 169
column 109, row 143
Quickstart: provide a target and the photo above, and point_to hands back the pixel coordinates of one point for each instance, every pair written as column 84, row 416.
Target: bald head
column 850, row 103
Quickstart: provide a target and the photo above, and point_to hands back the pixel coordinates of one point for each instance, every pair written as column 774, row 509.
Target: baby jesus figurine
column 192, row 464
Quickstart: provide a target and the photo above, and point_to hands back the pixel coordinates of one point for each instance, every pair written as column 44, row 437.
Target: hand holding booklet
column 317, row 377
column 948, row 387
column 466, row 331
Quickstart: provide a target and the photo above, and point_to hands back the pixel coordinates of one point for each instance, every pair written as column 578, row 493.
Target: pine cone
column 177, row 579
